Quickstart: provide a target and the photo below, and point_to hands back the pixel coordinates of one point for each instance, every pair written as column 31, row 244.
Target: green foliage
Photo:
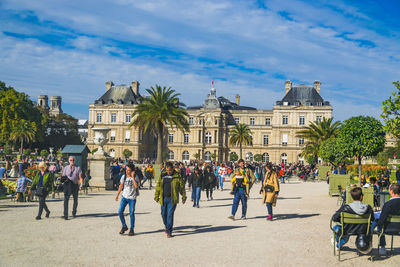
column 233, row 157
column 240, row 135
column 23, row 131
column 311, row 160
column 393, row 152
column 59, row 154
column 164, row 155
column 155, row 111
column 27, row 152
column 382, row 159
column 391, row 112
column 213, row 156
column 14, row 108
column 127, row 153
column 361, row 137
column 196, row 156
column 329, row 152
column 93, row 151
column 315, row 133
column 258, row 157
column 44, row 153
column 62, row 130
column 7, row 150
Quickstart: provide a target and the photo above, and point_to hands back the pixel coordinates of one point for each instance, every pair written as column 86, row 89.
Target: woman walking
column 43, row 184
column 197, row 184
column 209, row 182
column 270, row 189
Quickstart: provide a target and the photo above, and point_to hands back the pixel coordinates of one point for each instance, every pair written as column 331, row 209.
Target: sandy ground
column 299, row 236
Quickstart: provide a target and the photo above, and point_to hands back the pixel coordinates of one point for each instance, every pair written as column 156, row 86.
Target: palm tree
column 23, row 131
column 153, row 112
column 240, row 135
column 315, row 134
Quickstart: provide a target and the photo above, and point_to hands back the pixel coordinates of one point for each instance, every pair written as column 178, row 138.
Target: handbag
column 40, row 191
column 268, row 188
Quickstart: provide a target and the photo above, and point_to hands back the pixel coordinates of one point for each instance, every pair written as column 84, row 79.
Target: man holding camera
column 71, row 174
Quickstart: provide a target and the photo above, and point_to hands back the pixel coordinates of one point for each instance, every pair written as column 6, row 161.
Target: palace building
column 273, row 131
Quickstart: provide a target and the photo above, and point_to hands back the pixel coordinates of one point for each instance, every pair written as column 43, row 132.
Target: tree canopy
column 240, row 135
column 391, row 112
column 330, row 152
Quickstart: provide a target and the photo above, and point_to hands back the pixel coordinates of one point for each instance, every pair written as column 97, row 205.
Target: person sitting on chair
column 392, row 207
column 356, row 207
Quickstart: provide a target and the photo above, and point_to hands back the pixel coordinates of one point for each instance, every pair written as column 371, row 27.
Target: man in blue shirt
column 3, row 172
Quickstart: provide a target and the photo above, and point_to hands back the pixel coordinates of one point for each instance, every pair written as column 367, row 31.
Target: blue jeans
column 269, row 208
column 382, row 241
column 239, row 196
column 196, row 199
column 344, row 239
column 167, row 214
column 221, row 181
column 132, row 203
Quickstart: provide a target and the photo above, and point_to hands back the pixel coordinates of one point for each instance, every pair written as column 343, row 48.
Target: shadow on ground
column 194, row 229
column 348, row 253
column 105, row 215
column 286, row 216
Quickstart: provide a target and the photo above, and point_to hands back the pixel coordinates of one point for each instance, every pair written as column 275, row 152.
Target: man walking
column 71, row 186
column 168, row 188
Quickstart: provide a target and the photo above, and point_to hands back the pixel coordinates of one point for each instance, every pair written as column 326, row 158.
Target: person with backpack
column 209, row 182
column 129, row 185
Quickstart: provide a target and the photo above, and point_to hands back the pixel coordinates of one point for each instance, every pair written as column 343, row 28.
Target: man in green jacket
column 169, row 186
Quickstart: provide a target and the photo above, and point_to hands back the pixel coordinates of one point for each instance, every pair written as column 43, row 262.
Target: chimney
column 317, row 86
column 288, row 86
column 135, row 87
column 108, row 85
column 237, row 99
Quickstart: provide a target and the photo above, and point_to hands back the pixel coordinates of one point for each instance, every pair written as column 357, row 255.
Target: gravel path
column 299, row 236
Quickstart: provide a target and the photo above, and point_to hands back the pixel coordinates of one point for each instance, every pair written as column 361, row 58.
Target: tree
column 240, row 135
column 213, row 156
column 361, row 137
column 391, row 112
column 233, row 157
column 152, row 113
column 315, row 133
column 14, row 107
column 27, row 152
column 127, row 153
column 258, row 157
column 44, row 153
column 382, row 159
column 196, row 156
column 23, row 131
column 330, row 152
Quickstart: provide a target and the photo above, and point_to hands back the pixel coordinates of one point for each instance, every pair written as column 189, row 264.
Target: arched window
column 112, row 152
column 284, row 158
column 185, row 155
column 249, row 156
column 207, row 156
column 208, row 138
column 170, row 155
column 265, row 157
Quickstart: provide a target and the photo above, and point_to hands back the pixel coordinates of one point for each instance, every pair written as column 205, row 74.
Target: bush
column 233, row 157
column 44, row 153
column 127, row 153
column 382, row 159
column 258, row 157
column 27, row 152
column 94, row 150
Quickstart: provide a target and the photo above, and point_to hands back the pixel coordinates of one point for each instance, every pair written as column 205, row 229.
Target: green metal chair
column 390, row 219
column 349, row 218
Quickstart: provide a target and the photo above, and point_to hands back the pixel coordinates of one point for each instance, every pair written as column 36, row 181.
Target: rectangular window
column 191, row 120
column 186, row 138
column 128, row 117
column 112, row 136
column 127, row 136
column 268, row 121
column 98, row 117
column 251, row 121
column 170, row 138
column 237, row 120
column 319, row 118
column 199, row 136
column 301, row 141
column 285, row 120
column 113, row 117
column 266, row 139
column 140, row 134
column 302, row 120
column 215, row 136
column 284, row 139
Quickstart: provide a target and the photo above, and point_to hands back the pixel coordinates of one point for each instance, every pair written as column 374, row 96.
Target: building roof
column 119, row 94
column 303, row 95
column 74, row 149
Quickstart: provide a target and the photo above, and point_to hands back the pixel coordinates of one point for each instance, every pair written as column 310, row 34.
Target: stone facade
column 273, row 131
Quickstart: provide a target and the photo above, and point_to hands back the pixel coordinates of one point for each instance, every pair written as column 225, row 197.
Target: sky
column 71, row 48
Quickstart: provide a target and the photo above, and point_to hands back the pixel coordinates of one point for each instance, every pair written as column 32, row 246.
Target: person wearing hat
column 43, row 184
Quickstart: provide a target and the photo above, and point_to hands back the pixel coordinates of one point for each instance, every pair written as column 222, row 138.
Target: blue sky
column 71, row 48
